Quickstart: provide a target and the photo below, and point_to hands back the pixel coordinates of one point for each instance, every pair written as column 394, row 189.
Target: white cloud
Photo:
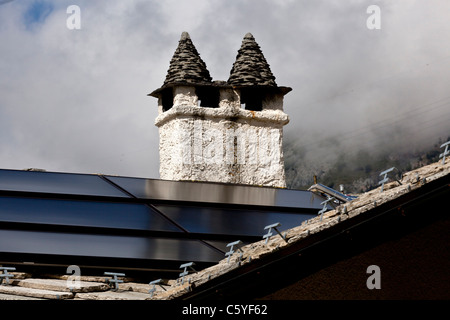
column 75, row 100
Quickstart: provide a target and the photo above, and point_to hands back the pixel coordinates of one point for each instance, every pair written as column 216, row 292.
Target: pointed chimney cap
column 186, row 66
column 185, row 36
column 251, row 67
column 249, row 36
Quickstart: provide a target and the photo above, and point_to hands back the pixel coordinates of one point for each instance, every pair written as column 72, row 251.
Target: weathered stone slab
column 101, row 279
column 139, row 287
column 61, row 285
column 20, row 275
column 35, row 293
column 112, row 295
column 173, row 293
column 4, row 296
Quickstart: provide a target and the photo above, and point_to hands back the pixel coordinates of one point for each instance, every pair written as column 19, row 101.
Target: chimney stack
column 221, row 131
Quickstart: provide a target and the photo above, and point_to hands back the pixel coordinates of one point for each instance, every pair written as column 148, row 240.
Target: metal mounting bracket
column 154, row 283
column 446, row 151
column 269, row 233
column 230, row 253
column 114, row 280
column 186, row 272
column 6, row 275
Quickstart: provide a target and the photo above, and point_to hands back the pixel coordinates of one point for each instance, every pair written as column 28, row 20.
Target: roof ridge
column 250, row 67
column 186, row 64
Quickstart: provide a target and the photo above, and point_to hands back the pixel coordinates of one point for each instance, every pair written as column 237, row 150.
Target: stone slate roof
column 250, row 67
column 411, row 181
column 186, row 65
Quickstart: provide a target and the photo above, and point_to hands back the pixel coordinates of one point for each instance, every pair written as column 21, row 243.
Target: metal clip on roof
column 230, row 253
column 115, row 280
column 325, row 206
column 269, row 233
column 446, row 151
column 6, row 275
column 386, row 179
column 153, row 289
column 186, row 272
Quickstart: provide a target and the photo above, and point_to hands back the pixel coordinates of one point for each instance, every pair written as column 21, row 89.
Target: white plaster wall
column 226, row 144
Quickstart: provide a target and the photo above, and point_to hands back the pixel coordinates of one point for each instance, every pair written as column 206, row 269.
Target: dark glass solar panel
column 60, row 183
column 209, row 217
column 297, row 199
column 216, row 193
column 83, row 213
column 106, row 246
column 230, row 221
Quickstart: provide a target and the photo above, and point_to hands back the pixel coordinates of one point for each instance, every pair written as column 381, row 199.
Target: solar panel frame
column 57, row 183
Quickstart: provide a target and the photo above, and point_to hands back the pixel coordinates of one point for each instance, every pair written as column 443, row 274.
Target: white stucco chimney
column 221, row 131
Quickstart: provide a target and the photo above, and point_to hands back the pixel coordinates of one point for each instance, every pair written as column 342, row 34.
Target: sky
column 75, row 100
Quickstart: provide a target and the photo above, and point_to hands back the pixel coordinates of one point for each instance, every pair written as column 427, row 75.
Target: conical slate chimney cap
column 250, row 67
column 186, row 66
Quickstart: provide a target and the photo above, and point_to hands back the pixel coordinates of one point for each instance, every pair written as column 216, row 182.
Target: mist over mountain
column 357, row 169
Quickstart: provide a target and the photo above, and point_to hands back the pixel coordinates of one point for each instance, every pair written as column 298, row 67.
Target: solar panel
column 297, row 199
column 230, row 221
column 83, row 213
column 59, row 183
column 109, row 216
column 90, row 245
column 216, row 193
